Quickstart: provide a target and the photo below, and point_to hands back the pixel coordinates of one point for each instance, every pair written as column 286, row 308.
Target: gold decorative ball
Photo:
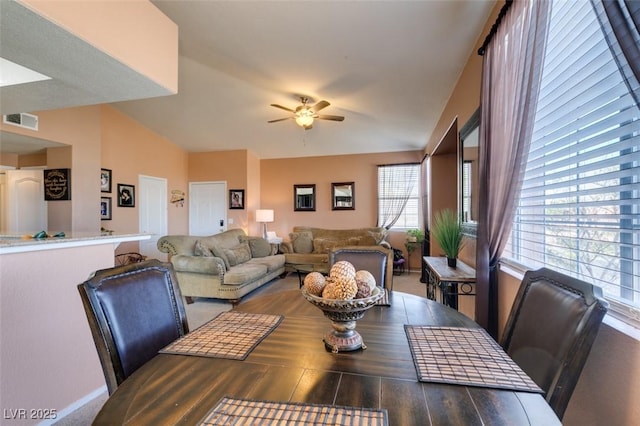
column 315, row 282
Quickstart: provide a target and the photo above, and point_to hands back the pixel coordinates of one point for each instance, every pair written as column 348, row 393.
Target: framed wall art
column 304, row 198
column 126, row 195
column 343, row 196
column 105, row 180
column 57, row 184
column 105, row 208
column 236, row 199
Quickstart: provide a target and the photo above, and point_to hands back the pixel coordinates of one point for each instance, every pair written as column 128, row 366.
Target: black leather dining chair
column 375, row 260
column 133, row 311
column 550, row 330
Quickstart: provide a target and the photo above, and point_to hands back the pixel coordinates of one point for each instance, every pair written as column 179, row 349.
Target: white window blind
column 393, row 183
column 579, row 206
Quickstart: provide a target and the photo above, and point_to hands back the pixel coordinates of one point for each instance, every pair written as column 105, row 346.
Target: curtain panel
column 511, row 75
column 620, row 24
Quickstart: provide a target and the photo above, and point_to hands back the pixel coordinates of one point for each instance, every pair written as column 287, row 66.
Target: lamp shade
column 264, row 216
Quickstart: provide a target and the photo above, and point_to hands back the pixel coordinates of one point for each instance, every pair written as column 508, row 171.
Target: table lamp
column 264, row 216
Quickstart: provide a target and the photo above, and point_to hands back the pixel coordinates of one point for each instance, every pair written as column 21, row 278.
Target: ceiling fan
column 305, row 114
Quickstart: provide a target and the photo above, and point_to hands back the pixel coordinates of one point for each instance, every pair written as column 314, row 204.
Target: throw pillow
column 258, row 245
column 238, row 254
column 210, row 244
column 367, row 240
column 377, row 236
column 322, row 245
column 200, row 250
column 302, row 242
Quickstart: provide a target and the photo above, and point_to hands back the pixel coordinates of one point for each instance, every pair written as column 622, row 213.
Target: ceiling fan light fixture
column 304, row 117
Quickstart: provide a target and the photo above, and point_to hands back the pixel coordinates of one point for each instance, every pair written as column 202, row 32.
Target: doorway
column 23, row 207
column 207, row 208
column 153, row 214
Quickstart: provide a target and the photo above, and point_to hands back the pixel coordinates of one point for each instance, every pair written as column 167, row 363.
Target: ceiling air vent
column 28, row 121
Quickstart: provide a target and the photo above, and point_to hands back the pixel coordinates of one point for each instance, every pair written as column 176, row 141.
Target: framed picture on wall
column 105, row 208
column 126, row 195
column 236, row 199
column 105, row 180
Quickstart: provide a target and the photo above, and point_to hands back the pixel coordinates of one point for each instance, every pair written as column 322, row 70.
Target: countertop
column 23, row 243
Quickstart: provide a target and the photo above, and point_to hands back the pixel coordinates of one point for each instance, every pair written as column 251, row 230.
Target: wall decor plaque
column 57, row 184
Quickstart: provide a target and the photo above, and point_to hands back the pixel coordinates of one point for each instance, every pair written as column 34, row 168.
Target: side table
column 275, row 244
column 452, row 282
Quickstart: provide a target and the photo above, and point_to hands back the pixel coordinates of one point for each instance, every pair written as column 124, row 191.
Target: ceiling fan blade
column 284, row 108
column 279, row 119
column 330, row 117
column 320, row 105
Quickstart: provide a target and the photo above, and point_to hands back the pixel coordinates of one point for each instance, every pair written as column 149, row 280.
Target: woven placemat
column 230, row 335
column 464, row 356
column 231, row 411
column 384, row 300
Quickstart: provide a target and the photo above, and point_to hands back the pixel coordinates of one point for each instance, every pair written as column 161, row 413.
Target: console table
column 452, row 282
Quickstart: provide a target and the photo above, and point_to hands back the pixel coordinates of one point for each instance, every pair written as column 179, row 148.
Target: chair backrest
column 373, row 260
column 550, row 330
column 133, row 311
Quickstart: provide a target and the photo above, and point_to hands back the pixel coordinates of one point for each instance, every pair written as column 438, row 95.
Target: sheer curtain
column 512, row 69
column 395, row 185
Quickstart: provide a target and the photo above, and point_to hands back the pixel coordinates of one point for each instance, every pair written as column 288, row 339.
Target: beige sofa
column 308, row 248
column 223, row 266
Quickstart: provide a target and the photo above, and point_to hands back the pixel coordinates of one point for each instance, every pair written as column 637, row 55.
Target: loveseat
column 308, row 248
column 223, row 266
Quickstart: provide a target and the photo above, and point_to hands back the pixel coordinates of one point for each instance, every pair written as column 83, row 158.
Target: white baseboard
column 76, row 405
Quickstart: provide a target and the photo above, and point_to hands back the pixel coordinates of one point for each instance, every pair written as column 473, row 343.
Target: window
column 466, row 191
column 579, row 209
column 399, row 196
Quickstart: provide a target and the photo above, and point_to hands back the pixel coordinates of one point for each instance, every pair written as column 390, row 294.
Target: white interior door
column 24, row 208
column 152, row 205
column 207, row 208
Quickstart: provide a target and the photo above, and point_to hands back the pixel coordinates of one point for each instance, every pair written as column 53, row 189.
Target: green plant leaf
column 447, row 232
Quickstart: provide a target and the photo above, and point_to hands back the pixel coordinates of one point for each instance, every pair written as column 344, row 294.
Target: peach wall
column 279, row 175
column 151, row 43
column 255, row 201
column 79, row 128
column 232, row 167
column 10, row 160
column 33, row 160
column 49, row 360
column 130, row 150
column 60, row 213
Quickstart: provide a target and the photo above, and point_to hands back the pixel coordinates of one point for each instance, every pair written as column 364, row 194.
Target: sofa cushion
column 244, row 273
column 272, row 263
column 200, row 250
column 210, row 244
column 196, row 264
column 258, row 245
column 325, row 245
column 302, row 241
column 238, row 254
column 367, row 240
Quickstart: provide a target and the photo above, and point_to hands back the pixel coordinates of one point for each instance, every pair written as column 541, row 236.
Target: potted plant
column 414, row 239
column 447, row 232
column 415, row 235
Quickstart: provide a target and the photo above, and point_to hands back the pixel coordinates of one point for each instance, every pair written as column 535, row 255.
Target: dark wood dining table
column 292, row 364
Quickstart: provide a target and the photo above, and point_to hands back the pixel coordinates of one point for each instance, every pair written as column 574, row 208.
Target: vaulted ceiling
column 388, row 67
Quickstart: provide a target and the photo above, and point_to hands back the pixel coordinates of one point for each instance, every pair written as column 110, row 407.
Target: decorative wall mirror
column 469, row 151
column 343, row 196
column 304, row 198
